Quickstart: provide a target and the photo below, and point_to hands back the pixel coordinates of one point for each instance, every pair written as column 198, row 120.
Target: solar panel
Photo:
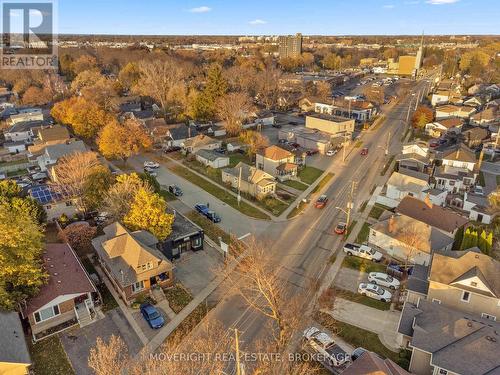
column 43, row 194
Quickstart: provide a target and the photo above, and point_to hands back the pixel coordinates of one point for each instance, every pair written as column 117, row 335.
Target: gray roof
column 412, row 173
column 417, row 281
column 25, row 126
column 57, row 151
column 182, row 227
column 210, row 155
column 13, row 348
column 460, row 343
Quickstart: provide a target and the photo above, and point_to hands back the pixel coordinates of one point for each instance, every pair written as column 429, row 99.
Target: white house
column 440, row 97
column 23, row 131
column 399, row 186
column 440, row 127
column 450, row 110
column 478, row 208
column 52, row 153
column 458, row 170
column 212, row 159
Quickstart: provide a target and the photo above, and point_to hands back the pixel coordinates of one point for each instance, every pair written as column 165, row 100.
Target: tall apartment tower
column 420, row 56
column 290, row 45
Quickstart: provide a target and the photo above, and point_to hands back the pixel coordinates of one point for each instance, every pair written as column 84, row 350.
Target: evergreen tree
column 467, row 240
column 489, row 242
column 474, row 238
column 482, row 244
column 204, row 106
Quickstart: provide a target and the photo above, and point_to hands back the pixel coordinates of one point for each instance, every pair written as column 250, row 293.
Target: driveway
column 144, row 326
column 78, row 342
column 349, row 279
column 196, row 269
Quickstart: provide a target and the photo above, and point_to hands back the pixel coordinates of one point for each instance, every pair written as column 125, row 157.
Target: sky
column 269, row 17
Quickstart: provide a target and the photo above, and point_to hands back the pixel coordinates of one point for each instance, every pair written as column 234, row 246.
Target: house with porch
column 66, row 300
column 414, row 156
column 253, row 181
column 277, row 162
column 441, row 127
column 458, row 171
column 132, row 261
column 200, row 142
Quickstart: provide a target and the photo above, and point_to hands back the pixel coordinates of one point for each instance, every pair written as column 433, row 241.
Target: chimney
column 391, row 224
column 427, row 201
column 123, row 278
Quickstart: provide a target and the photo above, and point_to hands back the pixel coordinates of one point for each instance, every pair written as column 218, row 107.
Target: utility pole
column 237, row 347
column 408, row 114
column 350, row 204
column 343, row 148
column 418, row 100
column 239, row 187
column 387, row 144
column 494, row 147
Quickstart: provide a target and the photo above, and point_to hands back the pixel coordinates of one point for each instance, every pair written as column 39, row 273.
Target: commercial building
column 334, row 125
column 290, row 45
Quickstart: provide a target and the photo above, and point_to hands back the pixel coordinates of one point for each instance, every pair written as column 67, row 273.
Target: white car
column 478, row 190
column 363, row 251
column 383, row 279
column 374, row 291
column 323, row 344
column 151, row 164
column 331, row 152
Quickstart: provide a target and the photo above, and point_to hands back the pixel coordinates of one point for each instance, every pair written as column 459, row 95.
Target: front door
column 480, row 218
column 152, row 280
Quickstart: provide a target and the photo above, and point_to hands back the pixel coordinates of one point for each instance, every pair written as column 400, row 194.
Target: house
column 234, row 146
column 457, row 171
column 211, row 159
column 68, row 297
column 186, row 236
column 250, row 180
column 359, row 110
column 333, row 125
column 372, row 363
column 15, row 147
column 54, row 202
column 486, row 116
column 436, row 196
column 447, row 341
column 14, row 355
column 24, row 131
column 178, row 134
column 200, row 142
column 131, row 261
column 473, row 102
column 157, row 128
column 408, row 240
column 450, row 110
column 26, row 115
column 440, row 97
column 431, row 214
column 53, row 135
column 414, row 156
column 478, row 208
column 466, row 281
column 440, row 127
column 277, row 162
column 475, row 137
column 399, row 186
column 53, row 153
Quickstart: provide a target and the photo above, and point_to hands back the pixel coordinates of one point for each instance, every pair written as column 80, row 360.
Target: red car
column 341, row 228
column 364, row 151
column 321, row 202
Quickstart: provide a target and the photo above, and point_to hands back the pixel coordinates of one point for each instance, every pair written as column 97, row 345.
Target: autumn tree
column 267, row 86
column 121, row 141
column 21, row 246
column 422, row 116
column 494, row 200
column 148, row 212
column 84, row 62
column 79, row 237
column 36, row 96
column 232, row 109
column 96, row 186
column 93, row 86
column 109, row 358
column 412, row 240
column 254, row 140
column 332, row 61
column 129, row 75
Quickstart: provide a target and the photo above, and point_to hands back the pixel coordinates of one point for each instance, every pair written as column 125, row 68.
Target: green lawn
column 295, row 184
column 323, row 182
column 364, row 300
column 218, row 192
column 359, row 337
column 309, row 174
column 178, row 297
column 273, row 205
column 351, row 226
column 363, row 233
column 49, row 357
column 363, row 265
column 237, row 157
column 108, row 301
column 212, row 230
column 378, row 210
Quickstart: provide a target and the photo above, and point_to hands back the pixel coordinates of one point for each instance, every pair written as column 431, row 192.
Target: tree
column 95, row 87
column 254, row 140
column 422, row 116
column 494, row 200
column 109, row 358
column 412, row 240
column 323, row 91
column 205, row 103
column 267, row 86
column 96, row 186
column 79, row 236
column 121, row 141
column 482, row 242
column 21, row 271
column 148, row 212
column 9, row 188
column 467, row 240
column 84, row 62
column 129, row 75
column 10, row 194
column 332, row 61
column 307, row 59
column 233, row 108
column 36, row 96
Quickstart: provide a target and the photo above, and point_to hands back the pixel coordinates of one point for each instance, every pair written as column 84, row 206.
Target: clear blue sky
column 253, row 17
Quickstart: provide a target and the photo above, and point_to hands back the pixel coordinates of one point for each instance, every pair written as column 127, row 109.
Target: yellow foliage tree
column 148, row 212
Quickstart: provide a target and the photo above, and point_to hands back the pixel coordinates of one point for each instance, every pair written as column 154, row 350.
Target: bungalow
column 53, row 135
column 200, row 142
column 132, row 261
column 451, row 110
column 440, row 127
column 486, row 116
column 458, row 170
column 475, row 137
column 16, row 147
column 68, row 297
column 440, row 97
column 415, row 157
column 478, row 208
column 53, row 153
column 24, row 131
column 157, row 129
column 26, row 115
column 211, row 159
column 54, row 202
column 14, row 355
column 277, row 162
column 250, row 180
column 400, row 185
column 178, row 134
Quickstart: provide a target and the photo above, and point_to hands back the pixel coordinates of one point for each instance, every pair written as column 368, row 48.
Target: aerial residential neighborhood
column 259, row 188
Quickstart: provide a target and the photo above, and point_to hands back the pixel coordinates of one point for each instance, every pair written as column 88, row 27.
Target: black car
column 277, row 126
column 175, row 190
column 172, row 149
column 220, row 150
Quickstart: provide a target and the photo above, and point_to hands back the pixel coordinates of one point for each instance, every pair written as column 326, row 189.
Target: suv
column 363, row 251
column 323, row 344
column 175, row 190
column 210, row 215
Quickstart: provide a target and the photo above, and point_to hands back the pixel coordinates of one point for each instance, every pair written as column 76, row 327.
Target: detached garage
column 212, row 159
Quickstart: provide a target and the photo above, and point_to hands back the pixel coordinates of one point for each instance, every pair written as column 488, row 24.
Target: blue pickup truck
column 210, row 215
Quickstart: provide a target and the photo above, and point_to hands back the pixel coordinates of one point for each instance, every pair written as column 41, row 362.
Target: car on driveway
column 151, row 164
column 363, row 251
column 384, row 280
column 321, row 201
column 175, row 190
column 374, row 291
column 209, row 214
column 341, row 228
column 323, row 344
column 152, row 316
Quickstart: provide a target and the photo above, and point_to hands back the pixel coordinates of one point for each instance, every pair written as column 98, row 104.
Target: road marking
column 244, row 236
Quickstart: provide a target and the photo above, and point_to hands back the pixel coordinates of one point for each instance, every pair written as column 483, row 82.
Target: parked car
column 172, row 149
column 331, row 152
column 363, row 251
column 151, row 164
column 311, row 152
column 210, row 215
column 374, row 291
column 220, row 150
column 277, row 126
column 341, row 228
column 323, row 344
column 383, row 279
column 364, row 151
column 321, row 201
column 152, row 316
column 478, row 190
column 175, row 190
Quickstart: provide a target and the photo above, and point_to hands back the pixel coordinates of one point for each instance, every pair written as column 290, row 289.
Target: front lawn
column 218, row 192
column 212, row 230
column 363, row 233
column 295, row 184
column 387, row 164
column 351, row 226
column 49, row 357
column 378, row 210
column 364, row 300
column 178, row 297
column 359, row 337
column 237, row 157
column 362, row 265
column 323, row 182
column 187, row 325
column 309, row 174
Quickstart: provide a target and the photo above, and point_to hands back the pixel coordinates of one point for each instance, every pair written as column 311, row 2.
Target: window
column 197, row 242
column 465, row 296
column 47, row 313
column 442, row 372
column 436, row 300
column 473, row 283
column 488, row 316
column 137, row 286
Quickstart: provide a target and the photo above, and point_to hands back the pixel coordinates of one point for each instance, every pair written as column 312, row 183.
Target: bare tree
column 413, row 241
column 233, row 108
column 109, row 358
column 267, row 86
